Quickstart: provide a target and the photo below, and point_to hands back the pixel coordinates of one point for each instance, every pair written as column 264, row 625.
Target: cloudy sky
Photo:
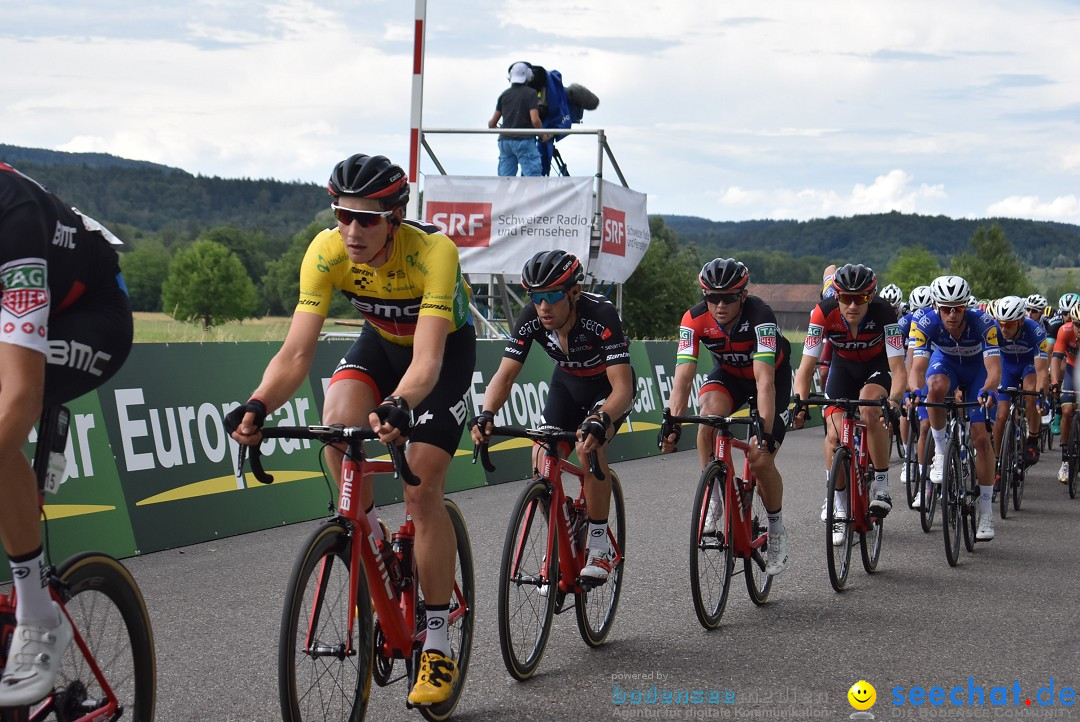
column 728, row 110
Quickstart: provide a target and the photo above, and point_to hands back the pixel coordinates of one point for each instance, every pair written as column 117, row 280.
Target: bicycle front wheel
column 912, row 469
column 527, row 590
column 1007, row 468
column 596, row 607
column 952, row 501
column 711, row 561
column 462, row 614
column 870, row 541
column 107, row 608
column 324, row 672
column 970, row 498
column 1073, row 455
column 838, row 531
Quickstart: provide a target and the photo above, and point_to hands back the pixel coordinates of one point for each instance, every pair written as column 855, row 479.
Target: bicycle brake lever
column 594, row 466
column 255, row 457
column 397, row 454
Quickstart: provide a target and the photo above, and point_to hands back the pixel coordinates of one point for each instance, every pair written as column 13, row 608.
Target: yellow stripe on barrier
column 220, row 485
column 62, row 511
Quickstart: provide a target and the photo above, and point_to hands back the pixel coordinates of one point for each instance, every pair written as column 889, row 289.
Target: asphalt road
column 1007, row 614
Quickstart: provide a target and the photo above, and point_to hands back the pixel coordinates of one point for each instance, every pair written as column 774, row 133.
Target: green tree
column 1067, row 285
column 145, row 270
column 992, row 267
column 281, row 283
column 207, row 283
column 662, row 287
column 910, row 267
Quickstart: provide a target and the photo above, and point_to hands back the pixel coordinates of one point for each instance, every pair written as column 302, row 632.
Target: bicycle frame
column 853, row 437
column 737, row 497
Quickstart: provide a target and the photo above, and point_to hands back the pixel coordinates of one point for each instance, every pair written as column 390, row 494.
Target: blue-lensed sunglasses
column 551, row 297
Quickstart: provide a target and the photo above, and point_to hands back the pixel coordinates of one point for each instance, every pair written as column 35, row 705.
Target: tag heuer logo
column 24, row 287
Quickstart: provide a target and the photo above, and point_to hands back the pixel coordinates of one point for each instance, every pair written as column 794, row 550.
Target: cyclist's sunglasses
column 366, row 219
column 551, row 297
column 847, row 299
column 949, row 310
column 718, row 298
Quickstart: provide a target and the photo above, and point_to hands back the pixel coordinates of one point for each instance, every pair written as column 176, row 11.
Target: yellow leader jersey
column 422, row 277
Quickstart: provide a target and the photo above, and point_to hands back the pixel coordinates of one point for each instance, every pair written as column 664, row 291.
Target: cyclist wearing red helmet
column 592, row 386
column 416, row 352
column 868, row 363
column 753, row 359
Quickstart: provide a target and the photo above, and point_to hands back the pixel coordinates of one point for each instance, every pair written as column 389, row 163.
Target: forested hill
column 874, row 239
column 137, row 197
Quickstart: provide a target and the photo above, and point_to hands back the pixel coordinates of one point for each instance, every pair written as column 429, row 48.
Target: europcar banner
column 151, row 467
column 499, row 222
column 624, row 236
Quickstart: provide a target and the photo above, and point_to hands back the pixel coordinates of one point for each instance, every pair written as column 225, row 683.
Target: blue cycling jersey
column 978, row 337
column 1030, row 343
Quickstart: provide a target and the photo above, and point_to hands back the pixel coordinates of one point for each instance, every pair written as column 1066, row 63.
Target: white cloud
column 1065, row 209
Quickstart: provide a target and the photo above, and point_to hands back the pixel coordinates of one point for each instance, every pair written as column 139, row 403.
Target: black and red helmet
column 552, row 269
column 370, row 176
column 723, row 274
column 855, row 278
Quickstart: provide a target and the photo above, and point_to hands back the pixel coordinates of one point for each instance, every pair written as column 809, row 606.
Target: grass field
column 159, row 328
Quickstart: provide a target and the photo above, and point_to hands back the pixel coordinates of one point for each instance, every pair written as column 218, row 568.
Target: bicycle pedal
column 587, row 584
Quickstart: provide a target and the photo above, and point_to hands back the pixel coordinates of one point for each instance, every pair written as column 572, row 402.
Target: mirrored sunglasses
column 847, row 299
column 539, row 297
column 949, row 310
column 718, row 298
column 366, row 219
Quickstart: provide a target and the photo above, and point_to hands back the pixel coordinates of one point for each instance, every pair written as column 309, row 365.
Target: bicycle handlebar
column 335, row 434
column 716, row 421
column 822, row 400
column 547, row 437
column 953, row 404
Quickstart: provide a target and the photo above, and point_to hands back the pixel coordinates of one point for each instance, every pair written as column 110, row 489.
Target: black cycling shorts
column 571, row 399
column 847, row 378
column 739, row 390
column 440, row 418
column 88, row 343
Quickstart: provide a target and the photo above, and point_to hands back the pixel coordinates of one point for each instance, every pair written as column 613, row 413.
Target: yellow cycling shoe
column 435, row 680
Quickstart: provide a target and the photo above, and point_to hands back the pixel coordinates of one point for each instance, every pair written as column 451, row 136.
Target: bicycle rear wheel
column 1021, row 467
column 526, row 592
column 462, row 614
column 970, row 498
column 838, row 521
column 596, row 607
column 758, row 583
column 107, row 609
column 929, row 505
column 711, row 560
column 952, row 500
column 912, row 469
column 1007, row 467
column 324, row 673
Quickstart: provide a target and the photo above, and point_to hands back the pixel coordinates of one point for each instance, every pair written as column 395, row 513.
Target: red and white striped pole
column 417, row 109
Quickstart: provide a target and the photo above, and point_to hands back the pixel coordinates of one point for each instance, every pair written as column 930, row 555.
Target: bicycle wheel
column 1021, row 469
column 711, row 560
column 758, row 583
column 462, row 614
column 526, row 594
column 1007, row 467
column 324, row 673
column 107, row 608
column 1074, row 455
column 838, row 521
column 929, row 505
column 952, row 499
column 870, row 541
column 596, row 607
column 970, row 501
column 898, row 441
column 912, row 470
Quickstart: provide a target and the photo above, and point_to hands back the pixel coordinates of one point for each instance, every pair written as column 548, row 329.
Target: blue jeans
column 518, row 151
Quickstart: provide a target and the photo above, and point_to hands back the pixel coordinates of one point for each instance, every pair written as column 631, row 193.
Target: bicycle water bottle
column 402, row 560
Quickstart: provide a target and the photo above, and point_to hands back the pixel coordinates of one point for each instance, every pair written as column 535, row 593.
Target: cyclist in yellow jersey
column 415, row 356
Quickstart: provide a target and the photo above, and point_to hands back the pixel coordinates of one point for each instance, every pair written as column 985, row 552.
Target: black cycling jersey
column 62, row 293
column 1052, row 325
column 596, row 341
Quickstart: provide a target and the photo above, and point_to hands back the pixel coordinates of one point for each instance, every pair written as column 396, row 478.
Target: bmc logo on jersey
column 614, row 238
column 468, row 224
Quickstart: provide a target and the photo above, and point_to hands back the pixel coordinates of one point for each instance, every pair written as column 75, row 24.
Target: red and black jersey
column 1066, row 344
column 877, row 334
column 755, row 336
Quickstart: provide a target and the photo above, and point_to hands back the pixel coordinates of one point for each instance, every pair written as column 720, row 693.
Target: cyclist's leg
column 1068, row 410
column 714, row 398
column 941, row 381
column 973, row 376
column 1031, row 411
column 877, row 385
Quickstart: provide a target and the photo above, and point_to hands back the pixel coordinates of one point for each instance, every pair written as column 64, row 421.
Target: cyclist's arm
column 765, row 378
column 1042, row 382
column 1057, row 365
column 22, row 386
column 899, row 379
column 993, row 374
column 621, row 378
column 501, row 384
column 290, row 365
column 804, row 375
column 429, row 341
column 681, row 387
column 917, row 375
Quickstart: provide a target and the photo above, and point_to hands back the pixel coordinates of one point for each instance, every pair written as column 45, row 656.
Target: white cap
column 519, row 73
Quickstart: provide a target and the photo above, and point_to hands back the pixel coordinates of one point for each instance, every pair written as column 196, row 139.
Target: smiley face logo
column 862, row 695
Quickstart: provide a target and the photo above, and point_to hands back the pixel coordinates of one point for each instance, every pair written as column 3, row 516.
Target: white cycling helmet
column 950, row 291
column 972, row 302
column 1009, row 308
column 1068, row 302
column 1037, row 302
column 892, row 295
column 920, row 298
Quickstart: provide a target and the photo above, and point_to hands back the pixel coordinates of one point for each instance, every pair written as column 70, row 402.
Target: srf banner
column 624, row 234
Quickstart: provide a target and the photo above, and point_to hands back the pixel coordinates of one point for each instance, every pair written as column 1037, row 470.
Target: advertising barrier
column 150, row 467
